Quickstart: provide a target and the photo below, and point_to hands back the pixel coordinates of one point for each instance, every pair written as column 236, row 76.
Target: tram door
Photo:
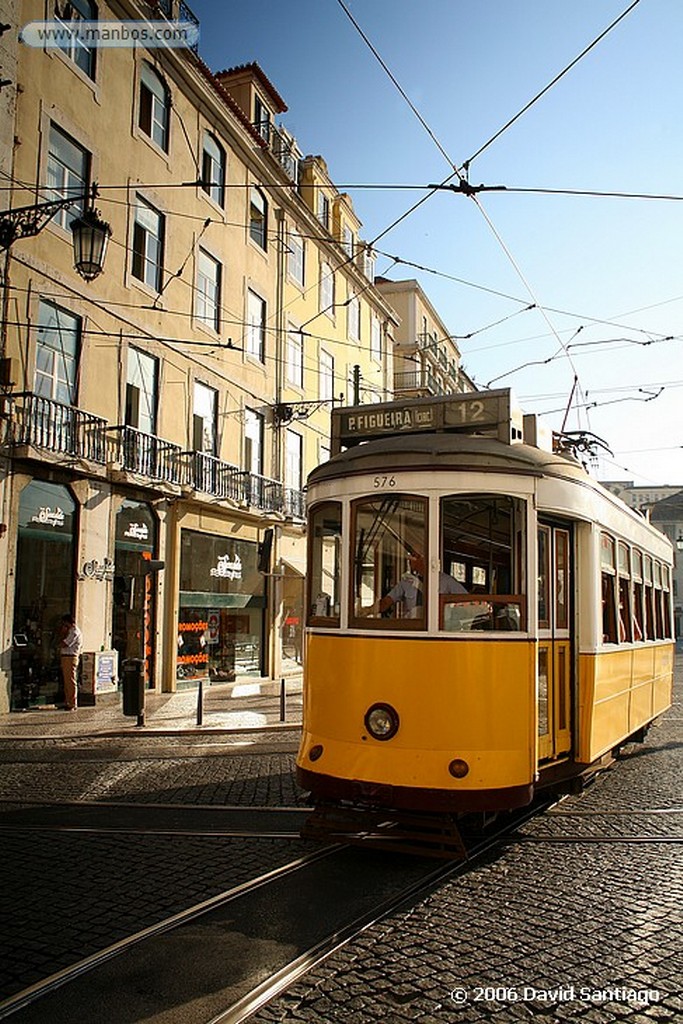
column 554, row 641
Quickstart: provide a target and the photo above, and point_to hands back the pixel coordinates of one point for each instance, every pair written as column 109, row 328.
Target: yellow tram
column 483, row 617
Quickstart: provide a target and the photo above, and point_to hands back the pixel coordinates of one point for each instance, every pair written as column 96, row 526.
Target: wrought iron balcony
column 204, row 472
column 54, row 427
column 145, row 454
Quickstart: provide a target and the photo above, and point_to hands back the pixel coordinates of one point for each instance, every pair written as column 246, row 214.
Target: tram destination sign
column 490, row 412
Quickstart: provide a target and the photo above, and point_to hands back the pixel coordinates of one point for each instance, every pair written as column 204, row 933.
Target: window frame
column 141, row 232
column 58, row 355
column 256, row 327
column 154, row 107
column 214, row 189
column 258, row 217
column 71, row 178
column 208, row 291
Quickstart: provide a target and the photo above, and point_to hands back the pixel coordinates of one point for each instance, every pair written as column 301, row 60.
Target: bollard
column 200, row 702
column 133, row 685
column 282, row 700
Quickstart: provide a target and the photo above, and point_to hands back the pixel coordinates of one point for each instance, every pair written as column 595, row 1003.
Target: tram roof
column 442, row 450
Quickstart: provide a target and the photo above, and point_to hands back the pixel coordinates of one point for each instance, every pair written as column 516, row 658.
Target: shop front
column 44, row 591
column 222, row 609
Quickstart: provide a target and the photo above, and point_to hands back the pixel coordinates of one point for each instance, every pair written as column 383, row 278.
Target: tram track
column 245, row 946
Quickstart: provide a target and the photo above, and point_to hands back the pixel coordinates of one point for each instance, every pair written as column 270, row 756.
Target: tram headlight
column 382, row 721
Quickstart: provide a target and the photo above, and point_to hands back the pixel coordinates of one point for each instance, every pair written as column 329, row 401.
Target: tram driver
column 408, row 592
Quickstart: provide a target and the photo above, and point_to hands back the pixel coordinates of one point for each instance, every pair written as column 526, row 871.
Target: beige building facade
column 171, row 409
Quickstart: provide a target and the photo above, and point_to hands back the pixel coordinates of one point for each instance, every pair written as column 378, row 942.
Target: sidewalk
column 248, row 704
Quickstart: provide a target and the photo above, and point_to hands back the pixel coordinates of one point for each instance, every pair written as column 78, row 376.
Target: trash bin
column 133, row 684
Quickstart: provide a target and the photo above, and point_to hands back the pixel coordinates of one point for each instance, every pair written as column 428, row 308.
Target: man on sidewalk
column 71, row 644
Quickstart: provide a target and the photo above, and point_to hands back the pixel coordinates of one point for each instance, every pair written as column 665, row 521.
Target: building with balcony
column 172, row 408
column 426, row 356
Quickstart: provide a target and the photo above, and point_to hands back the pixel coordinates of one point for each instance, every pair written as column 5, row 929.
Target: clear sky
column 606, row 271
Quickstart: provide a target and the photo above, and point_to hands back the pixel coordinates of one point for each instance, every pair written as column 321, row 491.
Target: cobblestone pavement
column 577, row 919
column 566, row 923
column 67, row 895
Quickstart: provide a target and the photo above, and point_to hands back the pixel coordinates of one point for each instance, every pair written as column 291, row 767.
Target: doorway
column 555, row 587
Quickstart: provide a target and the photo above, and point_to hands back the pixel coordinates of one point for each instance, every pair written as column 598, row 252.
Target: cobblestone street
column 583, row 909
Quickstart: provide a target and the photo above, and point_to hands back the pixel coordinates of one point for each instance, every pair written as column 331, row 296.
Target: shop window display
column 222, row 608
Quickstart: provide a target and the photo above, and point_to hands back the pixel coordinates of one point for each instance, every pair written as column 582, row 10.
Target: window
column 155, row 107
column 293, row 460
column 208, row 298
column 295, row 358
column 326, row 289
column 253, row 442
column 262, row 118
column 348, row 241
column 369, row 261
column 213, row 169
column 326, row 376
column 353, row 313
column 638, row 597
column 141, row 391
column 204, row 419
column 324, row 210
column 256, row 330
column 296, row 258
column 608, row 589
column 68, row 173
column 389, row 533
column 258, row 217
column 148, row 244
column 625, row 610
column 82, row 55
column 481, row 582
column 59, row 334
column 375, row 339
column 649, row 598
column 325, row 536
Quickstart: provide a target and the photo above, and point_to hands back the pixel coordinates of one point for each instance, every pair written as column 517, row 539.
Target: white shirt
column 72, row 642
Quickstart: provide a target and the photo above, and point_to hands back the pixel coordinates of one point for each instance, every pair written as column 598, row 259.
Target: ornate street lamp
column 679, row 542
column 90, row 233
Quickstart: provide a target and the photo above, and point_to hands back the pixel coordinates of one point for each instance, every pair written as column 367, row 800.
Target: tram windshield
column 389, row 550
column 482, row 545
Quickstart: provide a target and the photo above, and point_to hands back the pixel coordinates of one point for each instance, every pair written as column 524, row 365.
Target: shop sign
column 96, row 570
column 137, row 531
column 228, row 568
column 47, row 516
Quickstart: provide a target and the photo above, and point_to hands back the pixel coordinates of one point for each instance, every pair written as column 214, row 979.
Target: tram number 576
column 382, row 482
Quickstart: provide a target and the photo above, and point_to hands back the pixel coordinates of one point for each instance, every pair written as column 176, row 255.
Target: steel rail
column 288, row 975
column 81, row 967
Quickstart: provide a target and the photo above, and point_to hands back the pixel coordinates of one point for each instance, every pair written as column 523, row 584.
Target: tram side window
column 638, row 597
column 482, row 548
column 625, row 616
column 389, row 552
column 659, row 604
column 325, row 533
column 610, row 618
column 649, row 598
column 666, row 601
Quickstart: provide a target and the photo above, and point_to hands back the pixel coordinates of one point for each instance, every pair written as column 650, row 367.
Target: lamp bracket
column 26, row 221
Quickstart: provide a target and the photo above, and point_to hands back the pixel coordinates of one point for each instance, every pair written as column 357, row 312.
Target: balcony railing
column 57, row 428
column 66, row 431
column 146, row 454
column 282, row 145
column 204, row 472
